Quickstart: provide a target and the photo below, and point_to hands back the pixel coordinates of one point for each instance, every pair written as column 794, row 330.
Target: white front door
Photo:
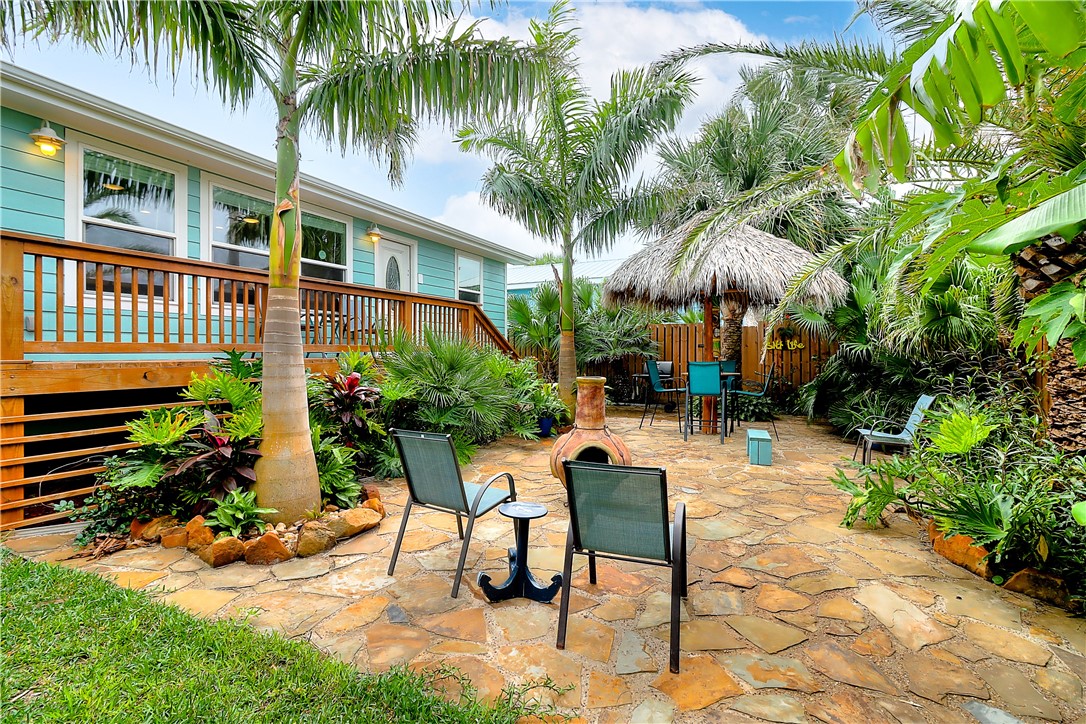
column 394, row 266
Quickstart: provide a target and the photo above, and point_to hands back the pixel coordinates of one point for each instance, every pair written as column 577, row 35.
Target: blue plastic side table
column 759, row 447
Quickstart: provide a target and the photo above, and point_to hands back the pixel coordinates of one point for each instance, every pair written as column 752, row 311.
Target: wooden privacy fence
column 794, row 356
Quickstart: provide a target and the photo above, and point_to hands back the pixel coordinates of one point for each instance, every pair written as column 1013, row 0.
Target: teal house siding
column 31, row 185
column 362, row 272
column 194, row 213
column 35, row 193
column 494, row 292
column 436, row 263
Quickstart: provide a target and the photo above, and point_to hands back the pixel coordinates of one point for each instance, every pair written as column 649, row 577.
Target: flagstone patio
column 790, row 617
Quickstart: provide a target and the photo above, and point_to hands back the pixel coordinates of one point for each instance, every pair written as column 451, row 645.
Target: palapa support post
column 708, row 337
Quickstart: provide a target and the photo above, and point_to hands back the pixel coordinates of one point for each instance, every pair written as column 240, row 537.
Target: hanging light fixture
column 374, row 233
column 46, row 139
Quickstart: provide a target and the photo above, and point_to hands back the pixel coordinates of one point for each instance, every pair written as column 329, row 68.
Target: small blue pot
column 545, row 425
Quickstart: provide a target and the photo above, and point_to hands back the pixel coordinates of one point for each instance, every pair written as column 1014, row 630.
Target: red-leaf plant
column 347, row 400
column 217, row 464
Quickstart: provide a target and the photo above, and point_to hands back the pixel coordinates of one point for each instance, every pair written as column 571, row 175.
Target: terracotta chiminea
column 589, row 439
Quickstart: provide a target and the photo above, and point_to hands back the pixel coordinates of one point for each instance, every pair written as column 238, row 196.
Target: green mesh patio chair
column 703, row 380
column 869, row 437
column 756, row 395
column 434, row 481
column 620, row 513
column 657, row 388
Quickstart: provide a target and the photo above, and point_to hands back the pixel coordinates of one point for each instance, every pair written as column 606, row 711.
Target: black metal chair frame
column 471, row 511
column 653, row 390
column 765, row 390
column 677, row 563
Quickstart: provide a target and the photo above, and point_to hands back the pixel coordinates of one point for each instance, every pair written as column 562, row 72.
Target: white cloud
column 800, row 19
column 467, row 212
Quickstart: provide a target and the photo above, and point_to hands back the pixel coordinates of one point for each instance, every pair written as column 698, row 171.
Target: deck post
column 11, row 351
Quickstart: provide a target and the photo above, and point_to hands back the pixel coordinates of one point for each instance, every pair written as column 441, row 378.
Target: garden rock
column 375, row 504
column 1043, row 586
column 175, row 537
column 315, row 537
column 960, row 551
column 266, row 550
column 351, row 522
column 372, row 492
column 151, row 531
column 222, row 552
column 199, row 534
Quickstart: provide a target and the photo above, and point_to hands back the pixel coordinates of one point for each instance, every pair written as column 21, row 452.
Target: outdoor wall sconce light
column 46, row 139
column 374, row 233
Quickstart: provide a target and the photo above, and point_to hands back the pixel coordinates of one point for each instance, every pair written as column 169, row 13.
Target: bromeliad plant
column 351, row 403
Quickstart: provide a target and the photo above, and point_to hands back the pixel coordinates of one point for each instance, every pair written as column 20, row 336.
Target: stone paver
column 790, row 617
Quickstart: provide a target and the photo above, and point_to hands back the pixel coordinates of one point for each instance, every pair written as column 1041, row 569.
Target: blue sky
column 442, row 182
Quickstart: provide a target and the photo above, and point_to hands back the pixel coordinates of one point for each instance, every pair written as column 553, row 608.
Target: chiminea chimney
column 590, row 439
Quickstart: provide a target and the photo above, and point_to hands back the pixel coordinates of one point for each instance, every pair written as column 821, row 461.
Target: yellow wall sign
column 785, row 344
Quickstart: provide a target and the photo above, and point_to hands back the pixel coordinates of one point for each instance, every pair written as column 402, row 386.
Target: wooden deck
column 91, row 336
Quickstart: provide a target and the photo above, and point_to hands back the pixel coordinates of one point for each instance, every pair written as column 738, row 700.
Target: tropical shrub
column 336, row 469
column 237, row 513
column 982, row 468
column 452, row 386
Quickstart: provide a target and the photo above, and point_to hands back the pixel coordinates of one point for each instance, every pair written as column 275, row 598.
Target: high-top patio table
column 725, row 413
column 521, row 582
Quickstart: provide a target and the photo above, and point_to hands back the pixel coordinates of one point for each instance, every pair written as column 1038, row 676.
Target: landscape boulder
column 266, row 550
column 175, row 537
column 222, row 552
column 315, row 537
column 960, row 551
column 199, row 534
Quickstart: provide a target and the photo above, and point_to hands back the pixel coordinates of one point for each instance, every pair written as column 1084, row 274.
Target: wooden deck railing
column 70, row 306
column 83, row 299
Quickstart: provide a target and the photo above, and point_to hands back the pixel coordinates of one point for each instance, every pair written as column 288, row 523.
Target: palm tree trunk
column 731, row 329
column 286, row 473
column 567, row 353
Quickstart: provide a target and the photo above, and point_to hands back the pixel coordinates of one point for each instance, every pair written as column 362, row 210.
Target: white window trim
column 378, row 278
column 73, row 203
column 456, row 276
column 207, row 204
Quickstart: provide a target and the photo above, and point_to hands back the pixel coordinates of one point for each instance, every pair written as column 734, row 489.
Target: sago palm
column 561, row 171
column 362, row 74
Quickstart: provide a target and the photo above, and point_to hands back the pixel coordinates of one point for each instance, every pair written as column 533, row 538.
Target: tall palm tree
column 561, row 171
column 359, row 73
column 769, row 142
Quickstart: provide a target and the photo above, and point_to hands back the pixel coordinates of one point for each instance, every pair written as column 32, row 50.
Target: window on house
column 469, row 278
column 127, row 205
column 241, row 230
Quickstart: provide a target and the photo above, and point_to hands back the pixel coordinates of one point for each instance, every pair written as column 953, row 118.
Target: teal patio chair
column 869, row 437
column 703, row 380
column 657, row 388
column 619, row 512
column 755, row 395
column 434, row 481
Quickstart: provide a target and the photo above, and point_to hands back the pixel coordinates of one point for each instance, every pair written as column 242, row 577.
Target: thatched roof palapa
column 743, row 259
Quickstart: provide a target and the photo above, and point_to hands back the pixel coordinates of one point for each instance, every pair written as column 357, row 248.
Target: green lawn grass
column 78, row 648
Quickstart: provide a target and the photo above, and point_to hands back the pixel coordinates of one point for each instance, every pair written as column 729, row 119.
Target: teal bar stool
column 703, row 380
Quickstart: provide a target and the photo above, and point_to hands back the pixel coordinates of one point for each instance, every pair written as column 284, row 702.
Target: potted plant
column 549, row 408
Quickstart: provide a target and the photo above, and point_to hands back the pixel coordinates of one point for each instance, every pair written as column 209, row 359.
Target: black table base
column 521, row 582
